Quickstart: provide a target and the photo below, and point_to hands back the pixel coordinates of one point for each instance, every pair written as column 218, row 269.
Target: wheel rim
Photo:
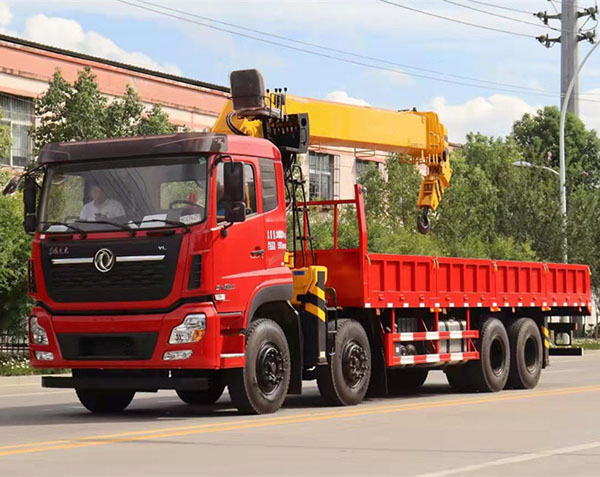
column 497, row 356
column 354, row 363
column 269, row 368
column 530, row 353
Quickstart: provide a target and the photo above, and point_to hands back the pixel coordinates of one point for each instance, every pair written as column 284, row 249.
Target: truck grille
column 140, row 269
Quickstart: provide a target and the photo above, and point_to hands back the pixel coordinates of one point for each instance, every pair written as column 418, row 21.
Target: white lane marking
column 34, row 394
column 513, row 460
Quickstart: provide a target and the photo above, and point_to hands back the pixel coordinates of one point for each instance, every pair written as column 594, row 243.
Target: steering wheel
column 185, row 202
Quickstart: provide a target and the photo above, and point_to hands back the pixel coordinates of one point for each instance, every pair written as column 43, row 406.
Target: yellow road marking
column 266, row 422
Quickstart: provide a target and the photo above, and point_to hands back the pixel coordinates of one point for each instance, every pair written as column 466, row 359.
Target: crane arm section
column 417, row 137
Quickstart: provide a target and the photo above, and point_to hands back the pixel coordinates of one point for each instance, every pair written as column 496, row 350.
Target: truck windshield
column 124, row 193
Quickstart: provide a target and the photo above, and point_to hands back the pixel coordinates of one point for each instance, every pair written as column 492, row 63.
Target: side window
column 269, row 184
column 249, row 187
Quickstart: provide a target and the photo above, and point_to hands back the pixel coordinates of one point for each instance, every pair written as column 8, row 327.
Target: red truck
column 162, row 263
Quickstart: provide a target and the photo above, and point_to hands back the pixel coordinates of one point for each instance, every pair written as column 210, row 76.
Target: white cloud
column 343, row 97
column 492, row 116
column 5, row 14
column 69, row 34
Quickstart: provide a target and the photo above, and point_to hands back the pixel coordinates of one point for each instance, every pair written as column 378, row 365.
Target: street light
column 529, row 164
column 561, row 148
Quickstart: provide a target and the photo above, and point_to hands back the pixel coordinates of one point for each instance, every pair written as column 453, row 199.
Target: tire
column 102, row 401
column 345, row 380
column 406, row 381
column 459, row 377
column 205, row 397
column 526, row 354
column 260, row 387
column 490, row 372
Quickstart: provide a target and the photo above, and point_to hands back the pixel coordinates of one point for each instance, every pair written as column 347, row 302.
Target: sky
column 365, row 52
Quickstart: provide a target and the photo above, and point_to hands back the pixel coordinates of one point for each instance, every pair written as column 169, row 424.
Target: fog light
column 38, row 333
column 190, row 331
column 177, row 355
column 44, row 355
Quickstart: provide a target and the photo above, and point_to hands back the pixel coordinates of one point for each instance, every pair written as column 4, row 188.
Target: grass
column 587, row 343
column 16, row 365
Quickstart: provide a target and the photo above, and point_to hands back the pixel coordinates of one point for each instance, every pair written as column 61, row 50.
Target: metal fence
column 14, row 345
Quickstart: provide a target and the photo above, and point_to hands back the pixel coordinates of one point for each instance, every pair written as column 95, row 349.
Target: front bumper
column 221, row 347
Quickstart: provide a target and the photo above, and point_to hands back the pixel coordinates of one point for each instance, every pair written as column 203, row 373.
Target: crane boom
column 417, row 137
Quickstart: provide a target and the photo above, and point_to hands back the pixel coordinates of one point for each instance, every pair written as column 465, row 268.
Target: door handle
column 257, row 253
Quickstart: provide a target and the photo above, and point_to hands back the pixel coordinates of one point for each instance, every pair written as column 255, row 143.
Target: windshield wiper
column 108, row 222
column 176, row 223
column 81, row 232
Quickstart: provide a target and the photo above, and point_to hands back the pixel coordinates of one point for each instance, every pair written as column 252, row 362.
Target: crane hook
column 423, row 222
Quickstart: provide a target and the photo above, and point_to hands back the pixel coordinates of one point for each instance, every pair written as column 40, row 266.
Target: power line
column 500, row 16
column 323, row 55
column 345, row 52
column 502, row 7
column 462, row 22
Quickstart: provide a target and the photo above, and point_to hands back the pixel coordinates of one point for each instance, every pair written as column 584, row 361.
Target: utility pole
column 569, row 38
column 569, row 56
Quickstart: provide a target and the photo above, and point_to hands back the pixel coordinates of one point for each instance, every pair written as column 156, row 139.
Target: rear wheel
column 205, row 397
column 345, row 380
column 526, row 354
column 104, row 401
column 405, row 381
column 490, row 372
column 261, row 386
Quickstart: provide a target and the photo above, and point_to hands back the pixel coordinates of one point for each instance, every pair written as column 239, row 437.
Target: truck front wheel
column 104, row 401
column 261, row 386
column 345, row 380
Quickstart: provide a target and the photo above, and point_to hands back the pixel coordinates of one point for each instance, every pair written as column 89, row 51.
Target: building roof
column 137, row 69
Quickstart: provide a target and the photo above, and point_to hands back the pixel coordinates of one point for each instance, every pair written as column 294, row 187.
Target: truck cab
column 149, row 253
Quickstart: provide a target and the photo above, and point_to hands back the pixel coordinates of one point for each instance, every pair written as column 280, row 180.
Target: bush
column 18, row 365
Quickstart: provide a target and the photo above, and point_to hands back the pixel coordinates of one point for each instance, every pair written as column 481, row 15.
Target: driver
column 101, row 207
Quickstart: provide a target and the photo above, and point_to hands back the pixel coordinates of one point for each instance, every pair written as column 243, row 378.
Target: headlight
column 190, row 331
column 38, row 333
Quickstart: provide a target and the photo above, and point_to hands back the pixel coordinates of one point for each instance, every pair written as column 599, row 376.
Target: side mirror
column 233, row 182
column 12, row 186
column 29, row 201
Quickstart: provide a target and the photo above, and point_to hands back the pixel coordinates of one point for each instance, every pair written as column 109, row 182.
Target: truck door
column 239, row 257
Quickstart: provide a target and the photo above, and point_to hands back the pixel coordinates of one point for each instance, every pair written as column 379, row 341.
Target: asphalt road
column 551, row 430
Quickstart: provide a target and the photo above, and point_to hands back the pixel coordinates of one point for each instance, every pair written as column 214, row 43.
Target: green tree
column 538, row 139
column 79, row 111
column 14, row 303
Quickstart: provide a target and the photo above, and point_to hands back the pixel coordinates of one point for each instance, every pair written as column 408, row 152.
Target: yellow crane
column 416, row 137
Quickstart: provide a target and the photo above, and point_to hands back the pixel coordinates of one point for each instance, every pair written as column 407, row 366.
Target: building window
column 321, row 176
column 17, row 113
column 361, row 166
